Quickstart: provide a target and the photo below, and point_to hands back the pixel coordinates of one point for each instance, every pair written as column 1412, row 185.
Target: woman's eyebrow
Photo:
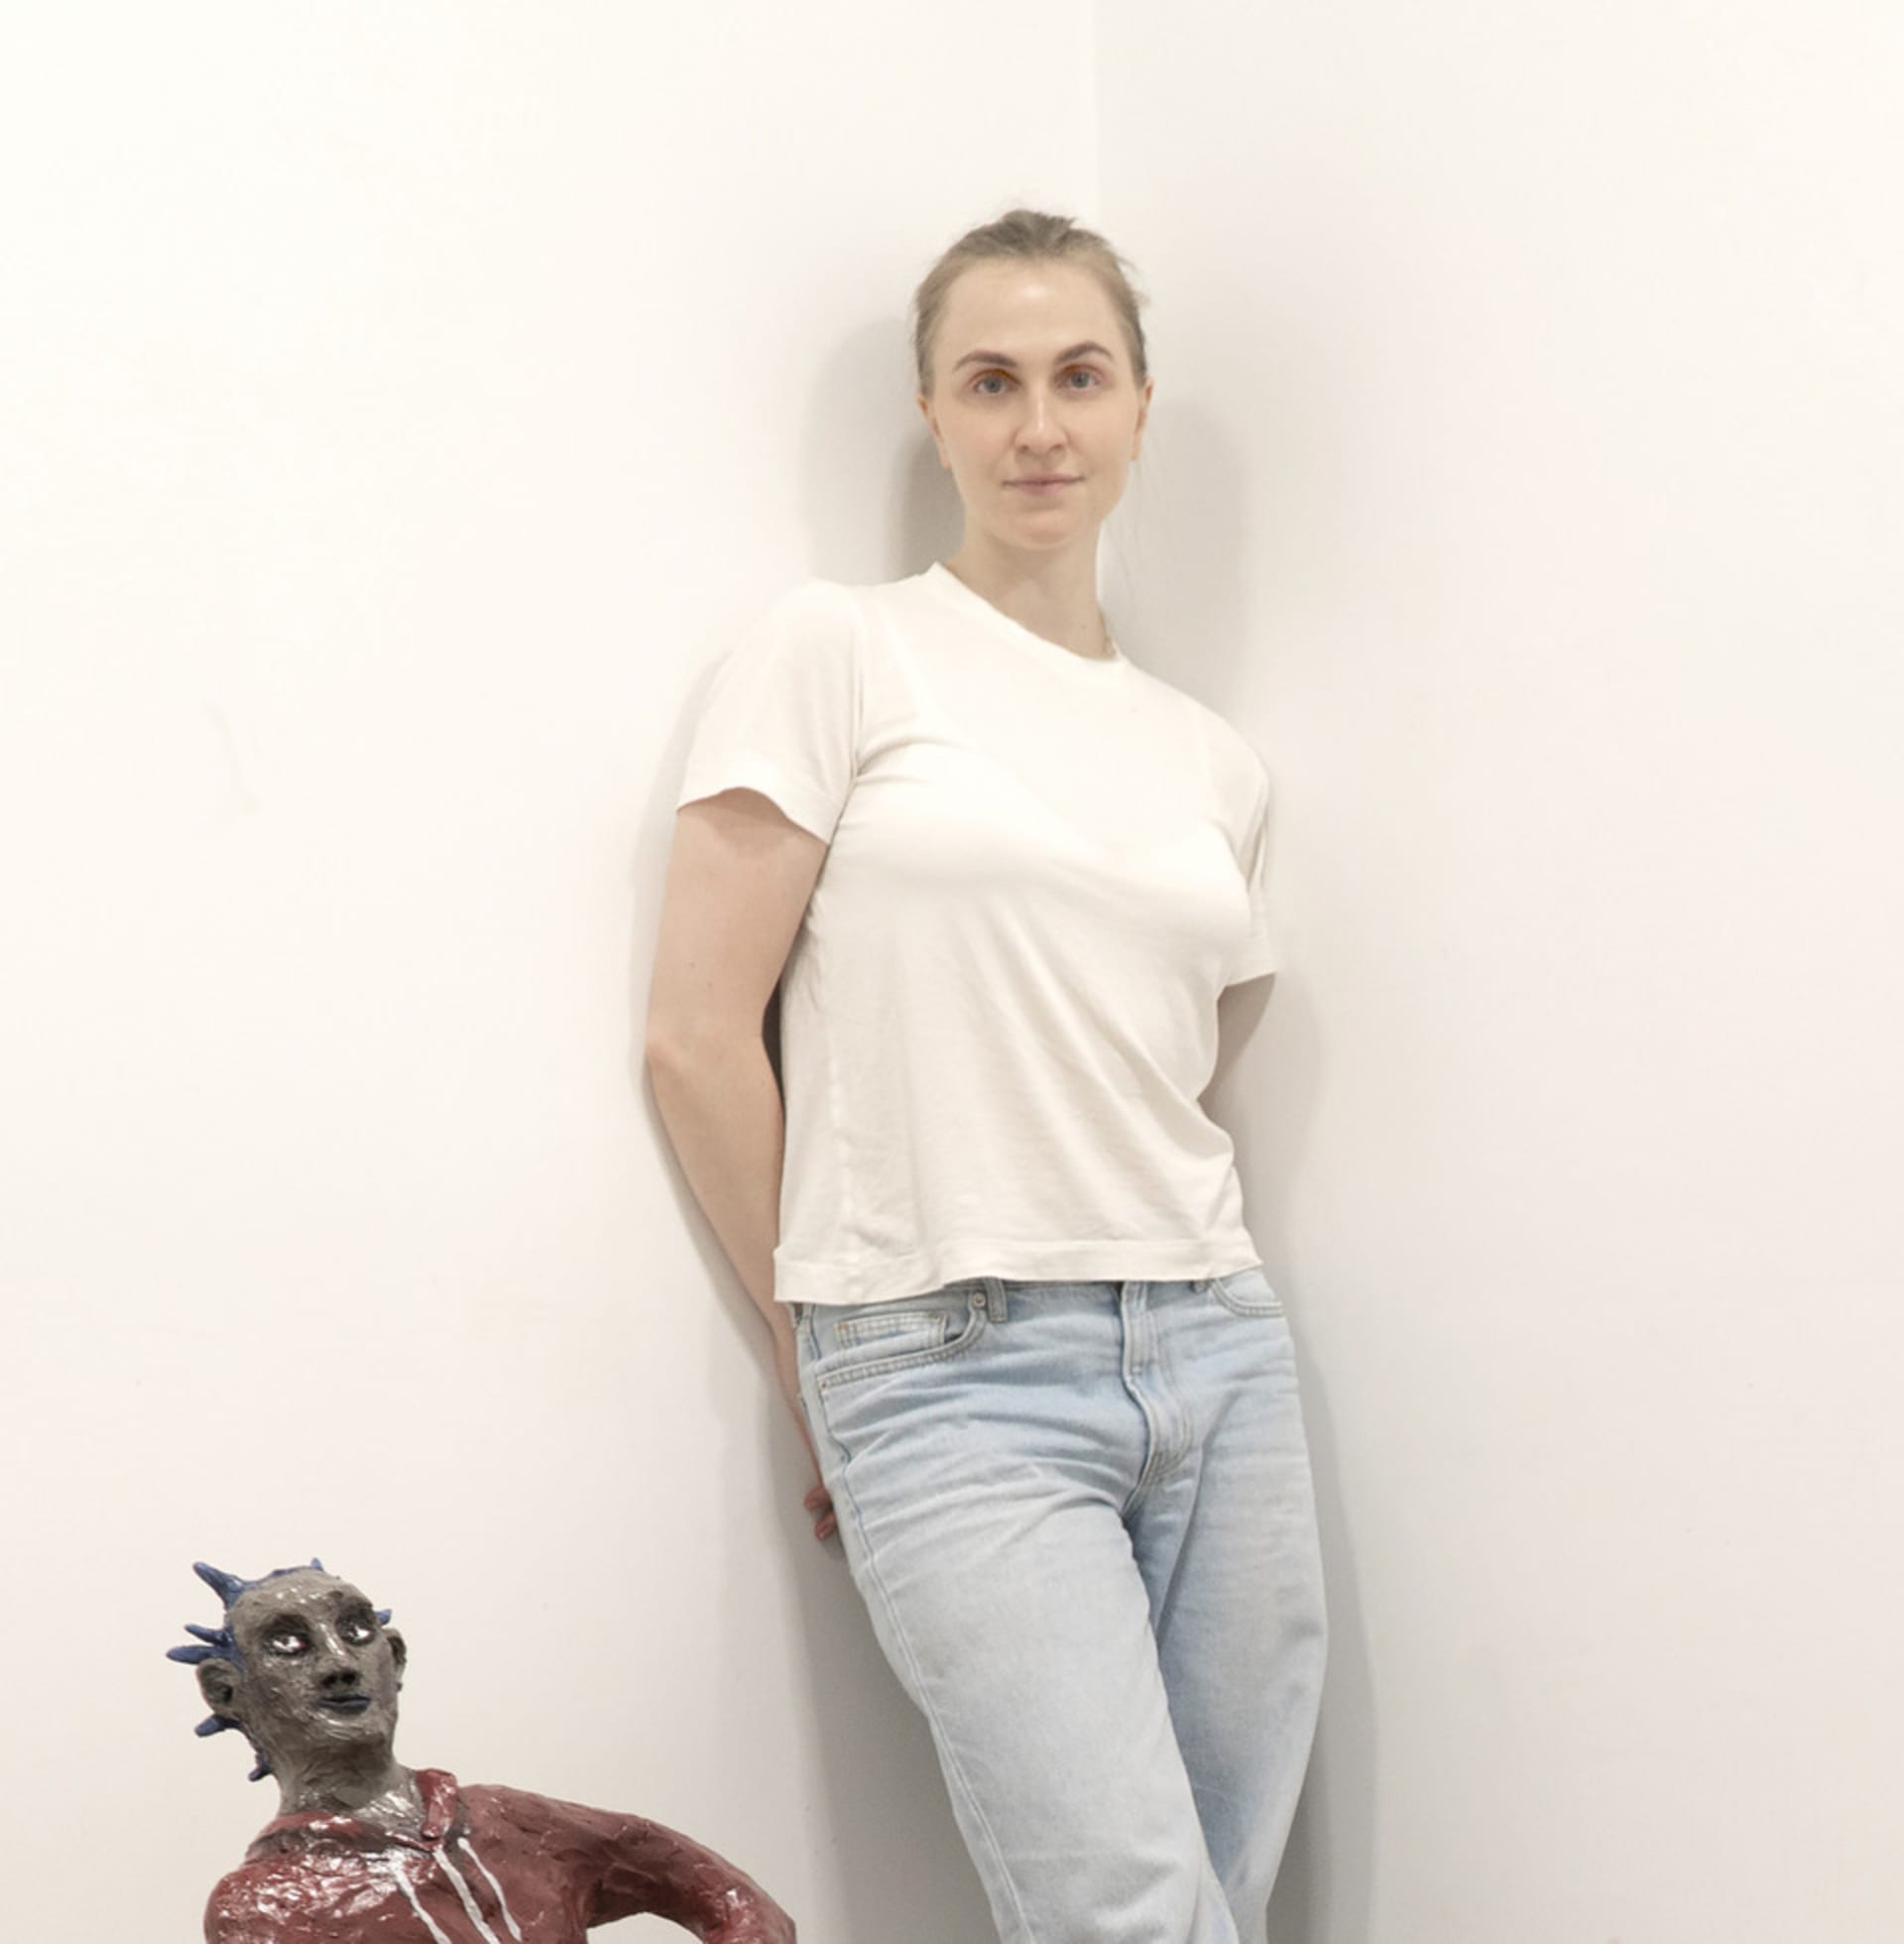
column 999, row 358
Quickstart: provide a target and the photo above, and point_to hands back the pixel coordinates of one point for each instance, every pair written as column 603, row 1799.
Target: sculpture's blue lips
column 345, row 1704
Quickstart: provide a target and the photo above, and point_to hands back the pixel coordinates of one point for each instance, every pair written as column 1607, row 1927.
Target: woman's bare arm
column 740, row 874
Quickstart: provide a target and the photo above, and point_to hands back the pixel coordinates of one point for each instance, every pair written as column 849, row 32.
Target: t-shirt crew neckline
column 950, row 588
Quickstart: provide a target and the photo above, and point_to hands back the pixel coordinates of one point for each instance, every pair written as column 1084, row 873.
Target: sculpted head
column 305, row 1665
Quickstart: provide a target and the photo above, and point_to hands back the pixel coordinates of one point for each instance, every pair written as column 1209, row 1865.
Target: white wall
column 1528, row 472
column 403, row 405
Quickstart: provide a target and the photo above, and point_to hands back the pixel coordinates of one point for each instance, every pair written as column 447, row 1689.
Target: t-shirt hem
column 1142, row 1259
column 1253, row 965
column 802, row 803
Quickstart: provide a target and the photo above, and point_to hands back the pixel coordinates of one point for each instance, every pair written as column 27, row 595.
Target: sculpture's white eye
column 358, row 1631
column 288, row 1639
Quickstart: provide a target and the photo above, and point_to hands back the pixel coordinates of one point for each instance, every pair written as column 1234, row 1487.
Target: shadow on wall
column 1173, row 556
column 875, row 505
column 1322, row 1895
column 1201, row 548
column 897, row 1864
column 875, row 502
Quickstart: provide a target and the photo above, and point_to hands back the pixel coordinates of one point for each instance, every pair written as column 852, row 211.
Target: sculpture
column 364, row 1849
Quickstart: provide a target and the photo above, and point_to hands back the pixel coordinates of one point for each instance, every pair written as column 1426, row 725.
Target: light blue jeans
column 1081, row 1518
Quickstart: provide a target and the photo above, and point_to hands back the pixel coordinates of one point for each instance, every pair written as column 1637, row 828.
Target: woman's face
column 1031, row 377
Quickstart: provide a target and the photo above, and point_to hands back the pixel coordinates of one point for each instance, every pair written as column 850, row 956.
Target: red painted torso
column 490, row 1866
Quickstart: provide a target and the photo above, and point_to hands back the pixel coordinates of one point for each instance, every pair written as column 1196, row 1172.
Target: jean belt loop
column 994, row 1298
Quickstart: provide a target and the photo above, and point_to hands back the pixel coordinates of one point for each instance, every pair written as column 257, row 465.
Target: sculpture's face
column 318, row 1675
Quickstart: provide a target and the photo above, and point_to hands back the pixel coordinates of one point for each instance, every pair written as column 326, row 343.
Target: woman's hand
column 786, row 1367
column 820, row 1506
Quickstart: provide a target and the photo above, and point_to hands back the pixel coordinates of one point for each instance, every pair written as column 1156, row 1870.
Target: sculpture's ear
column 218, row 1683
column 399, row 1653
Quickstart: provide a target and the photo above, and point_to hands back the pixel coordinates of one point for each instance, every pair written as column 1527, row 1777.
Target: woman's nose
column 1038, row 425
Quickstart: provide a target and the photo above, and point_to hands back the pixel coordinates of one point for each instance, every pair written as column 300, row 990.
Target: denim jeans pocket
column 1247, row 1292
column 871, row 1324
column 876, row 1339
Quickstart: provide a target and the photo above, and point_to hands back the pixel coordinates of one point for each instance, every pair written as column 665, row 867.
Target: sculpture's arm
column 632, row 1867
column 257, row 1904
column 655, row 1868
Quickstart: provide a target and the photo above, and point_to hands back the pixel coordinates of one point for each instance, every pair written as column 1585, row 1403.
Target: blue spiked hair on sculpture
column 220, row 1643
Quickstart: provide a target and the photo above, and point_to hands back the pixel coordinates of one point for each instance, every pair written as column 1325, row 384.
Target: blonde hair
column 1025, row 236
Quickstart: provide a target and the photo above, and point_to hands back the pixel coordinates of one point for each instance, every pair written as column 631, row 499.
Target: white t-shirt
column 999, row 1008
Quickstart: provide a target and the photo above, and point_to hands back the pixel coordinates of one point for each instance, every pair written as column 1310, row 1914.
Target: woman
column 1002, row 875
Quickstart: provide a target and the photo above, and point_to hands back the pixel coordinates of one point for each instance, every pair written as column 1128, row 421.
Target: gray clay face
column 319, row 1676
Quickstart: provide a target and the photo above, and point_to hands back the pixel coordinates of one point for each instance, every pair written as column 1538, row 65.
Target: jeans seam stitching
column 1220, row 1289
column 950, row 1756
column 1239, row 1310
column 877, row 1327
column 882, row 1366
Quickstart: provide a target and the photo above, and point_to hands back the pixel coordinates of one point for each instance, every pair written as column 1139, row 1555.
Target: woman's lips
column 1041, row 486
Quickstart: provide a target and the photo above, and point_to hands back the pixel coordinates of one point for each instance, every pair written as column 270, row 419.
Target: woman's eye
column 1076, row 371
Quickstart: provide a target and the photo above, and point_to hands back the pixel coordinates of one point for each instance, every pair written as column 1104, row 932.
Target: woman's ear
column 931, row 425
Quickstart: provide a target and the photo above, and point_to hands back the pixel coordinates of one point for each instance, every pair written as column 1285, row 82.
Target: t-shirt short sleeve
column 783, row 709
column 1256, row 954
